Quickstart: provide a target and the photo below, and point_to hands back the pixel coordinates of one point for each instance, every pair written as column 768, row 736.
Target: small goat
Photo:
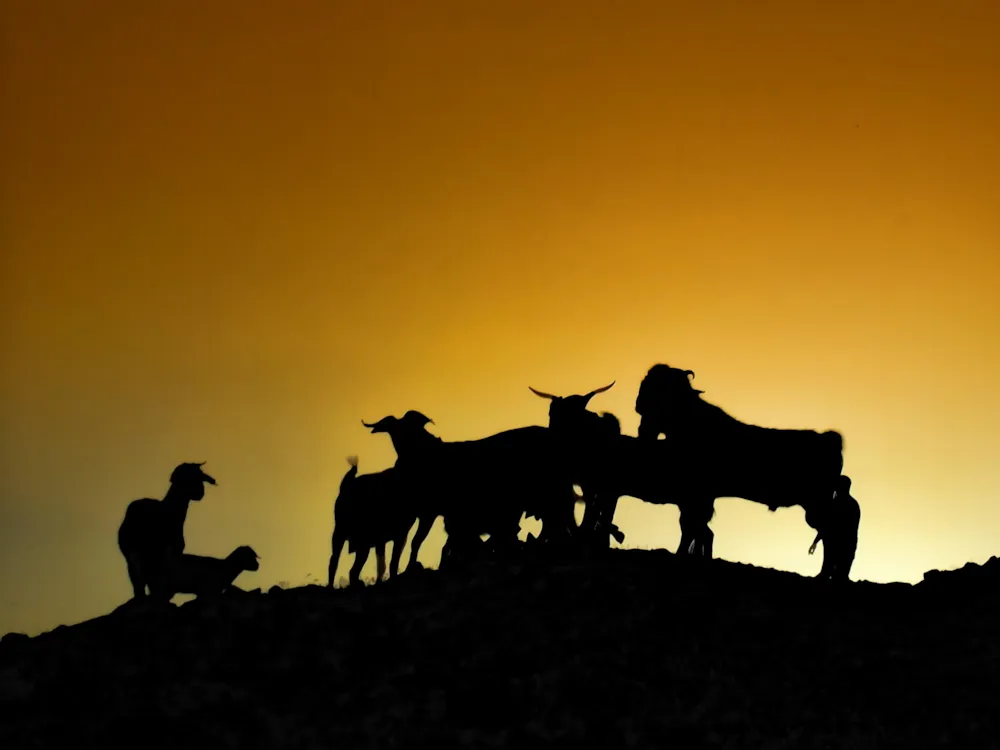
column 206, row 576
column 152, row 532
column 370, row 511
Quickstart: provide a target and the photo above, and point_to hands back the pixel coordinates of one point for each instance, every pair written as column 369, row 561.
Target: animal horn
column 599, row 390
column 369, row 426
column 543, row 395
column 689, row 373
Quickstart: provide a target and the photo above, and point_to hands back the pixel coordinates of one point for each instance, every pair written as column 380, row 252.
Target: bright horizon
column 233, row 232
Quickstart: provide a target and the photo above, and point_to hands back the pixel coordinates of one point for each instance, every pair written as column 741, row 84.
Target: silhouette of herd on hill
column 688, row 452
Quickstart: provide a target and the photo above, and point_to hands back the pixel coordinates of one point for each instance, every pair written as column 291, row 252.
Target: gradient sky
column 233, row 230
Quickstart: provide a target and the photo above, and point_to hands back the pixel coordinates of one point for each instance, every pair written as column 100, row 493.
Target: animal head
column 191, row 480
column 565, row 412
column 664, row 386
column 411, row 421
column 245, row 557
column 408, row 433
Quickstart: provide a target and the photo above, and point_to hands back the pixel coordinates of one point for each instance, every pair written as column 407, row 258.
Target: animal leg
column 360, row 558
column 686, row 545
column 423, row 529
column 380, row 561
column 846, row 556
column 696, row 536
column 707, row 537
column 397, row 555
column 135, row 576
column 608, row 507
column 160, row 584
column 336, row 548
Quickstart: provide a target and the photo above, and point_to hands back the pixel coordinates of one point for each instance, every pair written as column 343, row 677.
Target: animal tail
column 351, row 474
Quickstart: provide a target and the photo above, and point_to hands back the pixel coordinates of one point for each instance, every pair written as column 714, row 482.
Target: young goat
column 206, row 576
column 370, row 511
column 152, row 531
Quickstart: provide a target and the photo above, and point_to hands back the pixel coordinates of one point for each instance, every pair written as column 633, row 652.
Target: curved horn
column 369, row 426
column 689, row 373
column 599, row 390
column 543, row 395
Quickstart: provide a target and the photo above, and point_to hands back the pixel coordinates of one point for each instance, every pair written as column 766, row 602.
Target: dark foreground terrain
column 635, row 649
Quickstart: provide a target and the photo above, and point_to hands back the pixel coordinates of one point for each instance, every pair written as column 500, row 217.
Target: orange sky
column 233, row 230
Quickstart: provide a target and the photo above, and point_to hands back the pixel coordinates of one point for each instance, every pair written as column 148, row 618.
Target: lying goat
column 207, row 576
column 370, row 511
column 152, row 532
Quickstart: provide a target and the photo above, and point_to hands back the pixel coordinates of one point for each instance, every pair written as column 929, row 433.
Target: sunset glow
column 234, row 230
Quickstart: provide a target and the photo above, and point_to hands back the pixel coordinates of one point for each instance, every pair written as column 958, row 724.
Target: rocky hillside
column 633, row 649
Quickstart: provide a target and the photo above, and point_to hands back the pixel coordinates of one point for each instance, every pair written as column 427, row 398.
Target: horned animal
column 152, row 532
column 774, row 467
column 588, row 440
column 481, row 486
column 370, row 511
column 207, row 576
column 609, row 465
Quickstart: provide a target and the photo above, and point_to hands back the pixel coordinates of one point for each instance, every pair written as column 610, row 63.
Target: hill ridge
column 633, row 647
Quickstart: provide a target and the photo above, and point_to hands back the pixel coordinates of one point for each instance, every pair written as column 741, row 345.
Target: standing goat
column 608, row 465
column 481, row 486
column 775, row 467
column 588, row 440
column 152, row 532
column 370, row 511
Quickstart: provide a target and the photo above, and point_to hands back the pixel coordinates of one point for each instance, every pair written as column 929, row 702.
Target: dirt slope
column 634, row 649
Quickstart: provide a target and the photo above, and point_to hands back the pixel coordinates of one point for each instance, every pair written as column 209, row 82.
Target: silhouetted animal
column 587, row 439
column 837, row 524
column 152, row 531
column 207, row 576
column 609, row 465
column 370, row 511
column 480, row 486
column 774, row 467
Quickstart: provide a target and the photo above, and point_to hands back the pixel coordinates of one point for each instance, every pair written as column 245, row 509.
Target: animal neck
column 177, row 502
column 412, row 444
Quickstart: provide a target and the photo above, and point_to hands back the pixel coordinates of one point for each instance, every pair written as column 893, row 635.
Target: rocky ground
column 634, row 649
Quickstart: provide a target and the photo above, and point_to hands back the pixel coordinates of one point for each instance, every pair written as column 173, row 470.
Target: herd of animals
column 688, row 453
